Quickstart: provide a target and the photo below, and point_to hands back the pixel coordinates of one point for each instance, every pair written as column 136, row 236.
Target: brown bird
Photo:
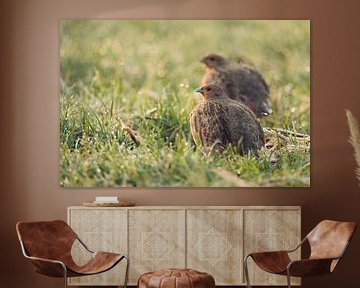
column 240, row 81
column 218, row 121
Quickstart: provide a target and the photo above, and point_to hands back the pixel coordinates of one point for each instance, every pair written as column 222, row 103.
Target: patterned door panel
column 100, row 230
column 157, row 240
column 270, row 230
column 214, row 242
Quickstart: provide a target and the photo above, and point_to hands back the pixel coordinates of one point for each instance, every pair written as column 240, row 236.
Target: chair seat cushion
column 176, row 278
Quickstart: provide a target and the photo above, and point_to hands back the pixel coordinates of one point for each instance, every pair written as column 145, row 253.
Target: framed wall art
column 185, row 103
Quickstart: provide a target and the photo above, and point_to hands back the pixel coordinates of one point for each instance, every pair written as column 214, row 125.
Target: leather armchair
column 328, row 243
column 48, row 245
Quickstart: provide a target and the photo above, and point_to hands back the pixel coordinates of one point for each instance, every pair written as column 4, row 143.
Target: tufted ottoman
column 176, row 278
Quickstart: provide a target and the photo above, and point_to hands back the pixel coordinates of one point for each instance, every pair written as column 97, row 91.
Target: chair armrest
column 309, row 267
column 84, row 245
column 48, row 267
column 268, row 253
column 281, row 251
column 46, row 260
column 298, row 246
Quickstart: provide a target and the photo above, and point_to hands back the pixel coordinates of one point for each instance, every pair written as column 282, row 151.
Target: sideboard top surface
column 193, row 207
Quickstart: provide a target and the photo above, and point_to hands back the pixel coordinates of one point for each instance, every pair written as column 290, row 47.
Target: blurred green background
column 141, row 74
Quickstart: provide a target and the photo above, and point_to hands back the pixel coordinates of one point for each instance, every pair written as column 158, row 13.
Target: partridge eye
column 208, row 89
column 212, row 58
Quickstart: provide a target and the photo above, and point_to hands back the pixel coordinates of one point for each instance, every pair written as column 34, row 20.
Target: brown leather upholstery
column 53, row 240
column 328, row 239
column 272, row 262
column 176, row 278
column 328, row 242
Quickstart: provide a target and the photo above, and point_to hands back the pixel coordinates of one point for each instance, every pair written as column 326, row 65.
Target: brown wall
column 29, row 111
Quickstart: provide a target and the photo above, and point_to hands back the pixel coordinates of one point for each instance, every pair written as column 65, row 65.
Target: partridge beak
column 199, row 90
column 202, row 60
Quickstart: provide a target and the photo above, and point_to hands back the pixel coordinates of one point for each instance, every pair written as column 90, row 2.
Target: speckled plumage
column 241, row 82
column 218, row 121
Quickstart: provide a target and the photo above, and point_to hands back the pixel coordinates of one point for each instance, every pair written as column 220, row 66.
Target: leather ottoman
column 176, row 278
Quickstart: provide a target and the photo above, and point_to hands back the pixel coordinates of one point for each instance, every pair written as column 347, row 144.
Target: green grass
column 116, row 73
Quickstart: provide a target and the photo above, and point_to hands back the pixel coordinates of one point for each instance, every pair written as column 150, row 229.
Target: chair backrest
column 46, row 239
column 329, row 239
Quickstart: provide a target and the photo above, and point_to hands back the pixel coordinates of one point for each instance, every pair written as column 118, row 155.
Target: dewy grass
column 142, row 74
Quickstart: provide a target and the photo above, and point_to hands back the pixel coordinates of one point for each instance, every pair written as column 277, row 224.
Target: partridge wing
column 209, row 125
column 254, row 88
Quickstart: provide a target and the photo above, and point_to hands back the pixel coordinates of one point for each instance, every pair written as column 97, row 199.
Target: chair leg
column 246, row 270
column 288, row 278
column 127, row 271
column 65, row 276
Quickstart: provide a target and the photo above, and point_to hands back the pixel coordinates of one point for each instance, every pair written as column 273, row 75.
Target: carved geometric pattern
column 213, row 246
column 157, row 241
column 214, row 243
column 270, row 230
column 269, row 241
column 100, row 230
column 213, row 212
column 98, row 240
column 155, row 246
column 131, row 220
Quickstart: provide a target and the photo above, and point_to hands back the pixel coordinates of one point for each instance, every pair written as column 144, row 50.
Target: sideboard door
column 101, row 230
column 270, row 230
column 156, row 240
column 214, row 244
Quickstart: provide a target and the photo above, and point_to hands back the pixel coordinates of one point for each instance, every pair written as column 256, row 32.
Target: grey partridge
column 218, row 121
column 241, row 82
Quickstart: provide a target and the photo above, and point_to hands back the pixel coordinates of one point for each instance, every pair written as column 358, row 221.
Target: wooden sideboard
column 211, row 239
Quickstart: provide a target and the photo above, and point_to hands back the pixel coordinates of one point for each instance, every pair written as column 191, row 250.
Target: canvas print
column 185, row 103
